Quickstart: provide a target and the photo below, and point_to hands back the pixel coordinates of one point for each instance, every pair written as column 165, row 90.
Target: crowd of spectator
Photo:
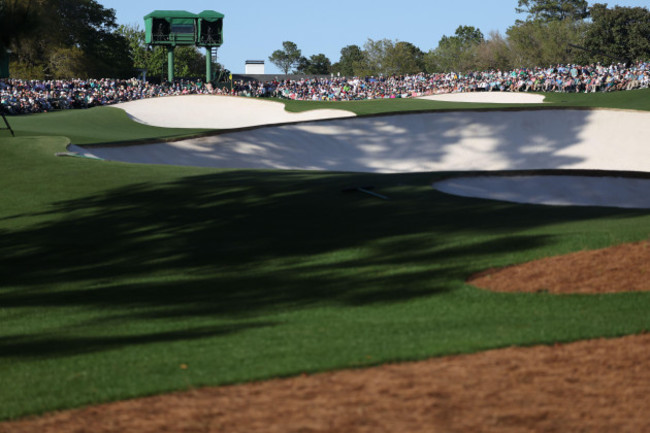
column 30, row 96
column 26, row 96
column 560, row 78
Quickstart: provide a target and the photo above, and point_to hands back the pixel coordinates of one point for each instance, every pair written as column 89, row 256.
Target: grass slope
column 114, row 276
column 96, row 125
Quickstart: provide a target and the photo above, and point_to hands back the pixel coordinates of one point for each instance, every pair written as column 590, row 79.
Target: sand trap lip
column 553, row 190
column 218, row 112
column 488, row 98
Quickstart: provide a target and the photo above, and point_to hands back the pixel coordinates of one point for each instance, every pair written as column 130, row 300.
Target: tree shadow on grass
column 240, row 246
column 47, row 346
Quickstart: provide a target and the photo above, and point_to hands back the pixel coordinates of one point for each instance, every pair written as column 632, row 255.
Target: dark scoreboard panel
column 174, row 28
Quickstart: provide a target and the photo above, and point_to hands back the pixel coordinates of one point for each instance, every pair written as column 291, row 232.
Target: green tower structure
column 178, row 28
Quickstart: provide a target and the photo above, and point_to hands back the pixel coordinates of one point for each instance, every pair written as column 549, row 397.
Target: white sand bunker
column 427, row 142
column 458, row 141
column 218, row 112
column 489, row 98
column 553, row 190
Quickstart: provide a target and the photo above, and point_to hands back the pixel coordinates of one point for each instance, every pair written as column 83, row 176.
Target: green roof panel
column 211, row 15
column 171, row 14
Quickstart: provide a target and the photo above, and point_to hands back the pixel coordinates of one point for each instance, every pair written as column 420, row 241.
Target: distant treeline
column 553, row 32
column 56, row 39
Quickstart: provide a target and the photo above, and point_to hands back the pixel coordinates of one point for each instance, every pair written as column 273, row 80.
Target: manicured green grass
column 97, row 125
column 630, row 100
column 114, row 275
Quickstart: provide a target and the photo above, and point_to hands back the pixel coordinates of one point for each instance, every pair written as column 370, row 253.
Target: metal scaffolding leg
column 208, row 64
column 6, row 122
column 170, row 64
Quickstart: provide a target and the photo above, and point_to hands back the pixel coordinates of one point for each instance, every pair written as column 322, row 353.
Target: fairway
column 123, row 280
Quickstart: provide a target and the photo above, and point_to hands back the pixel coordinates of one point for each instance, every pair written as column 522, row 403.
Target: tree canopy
column 534, row 43
column 351, row 58
column 554, row 10
column 387, row 57
column 61, row 38
column 456, row 53
column 287, row 58
column 18, row 18
column 621, row 33
column 405, row 58
column 318, row 64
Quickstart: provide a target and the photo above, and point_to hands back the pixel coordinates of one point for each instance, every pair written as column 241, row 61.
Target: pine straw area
column 622, row 268
column 590, row 386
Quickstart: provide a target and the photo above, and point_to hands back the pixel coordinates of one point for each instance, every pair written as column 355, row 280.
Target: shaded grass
column 114, row 275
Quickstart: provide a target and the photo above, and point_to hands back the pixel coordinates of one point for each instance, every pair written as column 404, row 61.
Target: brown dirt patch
column 590, row 386
column 622, row 268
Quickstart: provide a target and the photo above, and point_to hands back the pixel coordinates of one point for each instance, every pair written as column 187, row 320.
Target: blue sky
column 253, row 29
